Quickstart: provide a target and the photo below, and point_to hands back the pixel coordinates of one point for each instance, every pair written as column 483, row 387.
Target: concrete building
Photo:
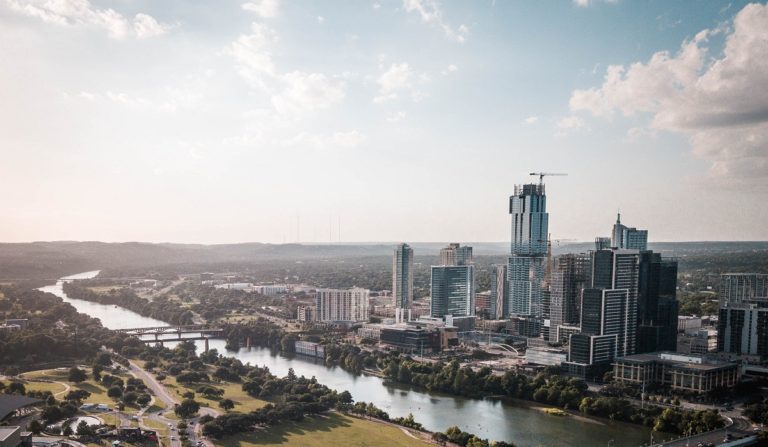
column 11, row 436
column 743, row 329
column 20, row 322
column 402, row 277
column 687, row 323
column 455, row 254
column 306, row 313
column 590, row 356
column 743, row 288
column 342, row 304
column 697, row 341
column 483, row 304
column 680, row 372
column 270, row 289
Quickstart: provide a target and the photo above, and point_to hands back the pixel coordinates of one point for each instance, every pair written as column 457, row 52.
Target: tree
column 83, row 429
column 16, row 388
column 144, row 399
column 226, row 404
column 77, row 375
column 35, row 427
column 130, row 397
column 187, row 408
column 67, row 431
column 115, row 392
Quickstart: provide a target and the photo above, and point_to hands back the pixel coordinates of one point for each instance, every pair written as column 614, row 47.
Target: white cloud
column 308, row 91
column 531, row 120
column 430, row 12
column 146, row 26
column 290, row 92
column 252, row 54
column 82, row 12
column 397, row 79
column 320, row 19
column 569, row 125
column 717, row 100
column 262, row 8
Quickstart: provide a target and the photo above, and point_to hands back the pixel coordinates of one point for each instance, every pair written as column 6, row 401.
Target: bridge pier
column 206, row 345
column 248, row 342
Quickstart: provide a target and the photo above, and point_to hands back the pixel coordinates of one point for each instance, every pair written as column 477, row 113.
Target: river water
column 510, row 421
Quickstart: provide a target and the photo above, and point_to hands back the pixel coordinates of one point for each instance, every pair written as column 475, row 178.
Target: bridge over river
column 159, row 334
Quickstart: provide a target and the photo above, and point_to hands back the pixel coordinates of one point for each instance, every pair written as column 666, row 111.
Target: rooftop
column 6, row 432
column 9, row 403
column 678, row 360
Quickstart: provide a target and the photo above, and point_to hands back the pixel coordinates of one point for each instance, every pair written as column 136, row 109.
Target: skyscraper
column 628, row 237
column 742, row 327
column 455, row 254
column 657, row 306
column 609, row 305
column 527, row 264
column 402, row 277
column 499, row 292
column 738, row 288
column 342, row 304
column 453, row 290
column 453, row 283
column 568, row 278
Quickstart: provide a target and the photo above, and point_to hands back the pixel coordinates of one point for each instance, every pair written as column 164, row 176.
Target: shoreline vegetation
column 548, row 387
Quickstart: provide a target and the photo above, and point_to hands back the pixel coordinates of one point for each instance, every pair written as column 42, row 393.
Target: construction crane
column 543, row 174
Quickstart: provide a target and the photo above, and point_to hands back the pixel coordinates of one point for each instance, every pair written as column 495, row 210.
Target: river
column 510, row 421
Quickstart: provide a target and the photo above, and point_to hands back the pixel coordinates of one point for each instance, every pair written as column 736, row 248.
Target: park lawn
column 243, row 402
column 333, row 429
column 97, row 390
column 54, row 388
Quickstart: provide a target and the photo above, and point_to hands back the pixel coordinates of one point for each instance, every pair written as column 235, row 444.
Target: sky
column 385, row 120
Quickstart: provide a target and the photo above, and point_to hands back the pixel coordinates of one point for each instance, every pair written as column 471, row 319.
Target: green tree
column 226, row 404
column 77, row 375
column 187, row 408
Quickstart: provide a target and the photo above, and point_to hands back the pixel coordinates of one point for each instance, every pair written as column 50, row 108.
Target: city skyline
column 277, row 121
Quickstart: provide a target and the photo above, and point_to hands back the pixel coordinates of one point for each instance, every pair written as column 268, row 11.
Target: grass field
column 333, row 430
column 243, row 402
column 97, row 390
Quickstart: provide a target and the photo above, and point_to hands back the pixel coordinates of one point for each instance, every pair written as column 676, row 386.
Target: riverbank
column 491, row 419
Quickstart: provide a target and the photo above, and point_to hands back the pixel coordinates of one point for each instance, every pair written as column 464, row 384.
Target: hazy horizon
column 286, row 122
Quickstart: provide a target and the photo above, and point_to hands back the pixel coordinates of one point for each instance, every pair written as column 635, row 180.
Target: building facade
column 452, row 290
column 628, row 237
column 743, row 329
column 680, row 372
column 527, row 264
column 743, row 288
column 568, row 279
column 342, row 304
column 402, row 277
column 455, row 254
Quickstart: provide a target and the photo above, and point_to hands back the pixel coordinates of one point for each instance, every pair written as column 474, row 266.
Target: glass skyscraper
column 453, row 290
column 527, row 264
column 402, row 276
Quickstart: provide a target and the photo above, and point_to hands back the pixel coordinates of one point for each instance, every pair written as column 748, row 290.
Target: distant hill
column 51, row 260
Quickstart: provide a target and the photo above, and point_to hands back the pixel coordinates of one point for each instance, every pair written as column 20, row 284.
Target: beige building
column 681, row 372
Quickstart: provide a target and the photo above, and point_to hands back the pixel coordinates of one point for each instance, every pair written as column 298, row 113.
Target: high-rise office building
column 629, row 238
column 568, row 278
column 738, row 288
column 610, row 312
column 455, row 254
column 743, row 329
column 527, row 264
column 453, row 290
column 657, row 306
column 402, row 277
column 498, row 299
column 342, row 304
column 742, row 326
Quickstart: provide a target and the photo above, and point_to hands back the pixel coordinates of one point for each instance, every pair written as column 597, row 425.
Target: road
column 194, row 430
column 739, row 429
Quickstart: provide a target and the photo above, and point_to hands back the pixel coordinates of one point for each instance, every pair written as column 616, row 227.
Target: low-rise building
column 692, row 373
column 411, row 338
column 21, row 322
column 546, row 356
column 270, row 289
column 687, row 323
column 11, row 436
column 310, row 348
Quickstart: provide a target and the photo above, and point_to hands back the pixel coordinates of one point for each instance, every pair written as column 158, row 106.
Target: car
column 173, row 438
column 170, row 425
